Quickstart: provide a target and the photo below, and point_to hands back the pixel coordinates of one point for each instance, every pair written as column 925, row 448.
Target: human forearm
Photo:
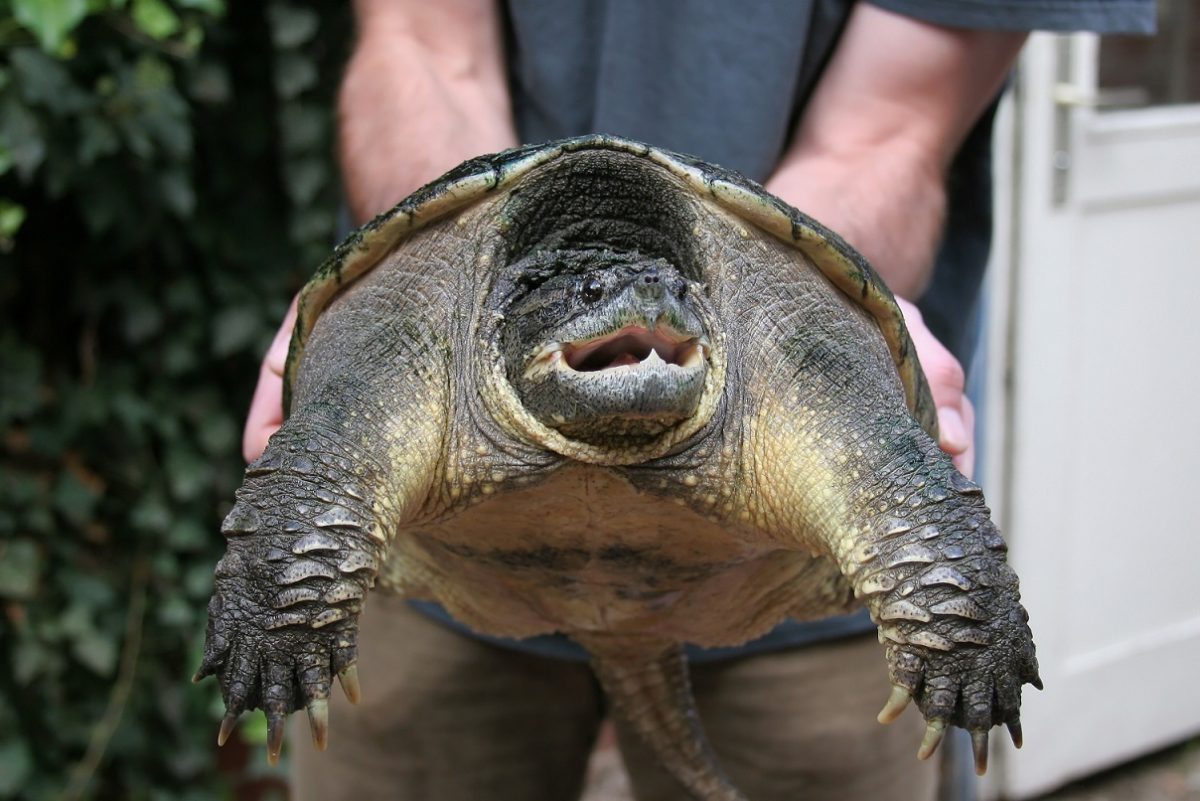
column 870, row 156
column 424, row 90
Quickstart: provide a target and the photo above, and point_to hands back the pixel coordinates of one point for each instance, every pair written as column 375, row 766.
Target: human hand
column 956, row 413
column 266, row 407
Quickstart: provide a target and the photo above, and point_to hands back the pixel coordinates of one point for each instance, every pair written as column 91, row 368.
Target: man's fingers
column 956, row 415
column 964, row 459
column 266, row 414
column 266, row 408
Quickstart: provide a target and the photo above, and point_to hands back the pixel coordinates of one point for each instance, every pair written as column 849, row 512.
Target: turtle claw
column 935, row 730
column 979, row 744
column 275, row 728
column 228, row 723
column 348, row 676
column 896, row 703
column 1014, row 731
column 318, row 722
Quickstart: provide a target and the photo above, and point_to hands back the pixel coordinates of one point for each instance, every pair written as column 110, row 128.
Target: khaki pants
column 447, row 718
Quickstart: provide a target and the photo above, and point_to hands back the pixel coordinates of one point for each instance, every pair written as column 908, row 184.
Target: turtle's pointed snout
column 651, row 286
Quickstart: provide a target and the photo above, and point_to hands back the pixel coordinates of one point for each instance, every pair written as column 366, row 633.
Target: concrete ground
column 1170, row 775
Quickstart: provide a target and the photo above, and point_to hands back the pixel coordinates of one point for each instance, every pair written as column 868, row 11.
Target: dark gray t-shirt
column 726, row 82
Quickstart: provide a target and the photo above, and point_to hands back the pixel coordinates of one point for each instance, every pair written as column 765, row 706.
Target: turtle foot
column 278, row 668
column 967, row 687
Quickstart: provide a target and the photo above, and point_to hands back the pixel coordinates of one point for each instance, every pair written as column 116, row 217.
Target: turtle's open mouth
column 631, row 347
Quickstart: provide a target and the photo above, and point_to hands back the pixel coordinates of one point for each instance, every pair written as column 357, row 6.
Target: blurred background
column 166, row 185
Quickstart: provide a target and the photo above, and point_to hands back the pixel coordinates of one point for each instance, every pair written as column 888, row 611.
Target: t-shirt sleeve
column 1097, row 16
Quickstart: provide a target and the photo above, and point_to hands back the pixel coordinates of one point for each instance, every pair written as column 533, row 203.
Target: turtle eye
column 592, row 290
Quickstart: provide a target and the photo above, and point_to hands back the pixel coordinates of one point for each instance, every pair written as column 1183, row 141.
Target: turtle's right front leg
column 304, row 546
column 305, row 541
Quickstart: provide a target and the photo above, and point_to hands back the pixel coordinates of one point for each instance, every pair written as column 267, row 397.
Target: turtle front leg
column 930, row 564
column 917, row 544
column 312, row 525
column 304, row 546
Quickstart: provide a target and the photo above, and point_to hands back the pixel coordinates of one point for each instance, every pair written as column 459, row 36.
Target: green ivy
column 166, row 185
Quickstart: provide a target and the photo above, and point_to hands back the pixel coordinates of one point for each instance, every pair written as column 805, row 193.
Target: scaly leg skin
column 916, row 542
column 303, row 549
column 932, row 570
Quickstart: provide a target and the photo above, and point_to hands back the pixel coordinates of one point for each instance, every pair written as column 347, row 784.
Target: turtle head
column 603, row 345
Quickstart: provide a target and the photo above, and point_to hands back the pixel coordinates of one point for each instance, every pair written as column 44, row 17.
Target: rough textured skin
column 799, row 483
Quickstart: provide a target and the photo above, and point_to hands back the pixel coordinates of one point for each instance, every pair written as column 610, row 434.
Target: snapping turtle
column 598, row 388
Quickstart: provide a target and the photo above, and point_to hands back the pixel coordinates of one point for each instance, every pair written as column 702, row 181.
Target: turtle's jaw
column 631, row 348
column 629, row 384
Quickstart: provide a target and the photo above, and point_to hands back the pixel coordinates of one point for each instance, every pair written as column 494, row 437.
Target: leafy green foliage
column 165, row 187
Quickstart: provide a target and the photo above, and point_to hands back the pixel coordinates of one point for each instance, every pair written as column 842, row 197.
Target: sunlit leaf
column 155, row 18
column 50, row 20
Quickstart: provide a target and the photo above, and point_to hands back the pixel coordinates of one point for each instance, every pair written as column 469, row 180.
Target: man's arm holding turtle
column 914, row 537
column 870, row 156
column 424, row 90
column 447, row 61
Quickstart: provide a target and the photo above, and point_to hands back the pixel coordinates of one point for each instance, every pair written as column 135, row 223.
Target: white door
column 1094, row 398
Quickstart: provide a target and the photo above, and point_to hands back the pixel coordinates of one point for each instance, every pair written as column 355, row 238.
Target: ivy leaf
column 304, row 127
column 155, row 18
column 294, row 73
column 188, row 535
column 175, row 188
column 21, row 136
column 15, row 767
column 214, row 7
column 235, row 328
column 187, row 473
column 44, row 81
column 97, row 138
column 32, row 661
column 209, row 83
column 217, row 434
column 96, row 651
column 50, row 20
column 12, row 216
column 151, row 513
column 304, row 180
column 20, row 567
column 291, row 26
column 74, row 499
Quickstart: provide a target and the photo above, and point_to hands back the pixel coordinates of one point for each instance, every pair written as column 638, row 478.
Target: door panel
column 1096, row 403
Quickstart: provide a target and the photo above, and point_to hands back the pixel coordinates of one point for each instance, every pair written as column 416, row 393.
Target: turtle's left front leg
column 916, row 542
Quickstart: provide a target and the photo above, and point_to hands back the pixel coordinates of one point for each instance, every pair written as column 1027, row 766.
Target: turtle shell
column 843, row 266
